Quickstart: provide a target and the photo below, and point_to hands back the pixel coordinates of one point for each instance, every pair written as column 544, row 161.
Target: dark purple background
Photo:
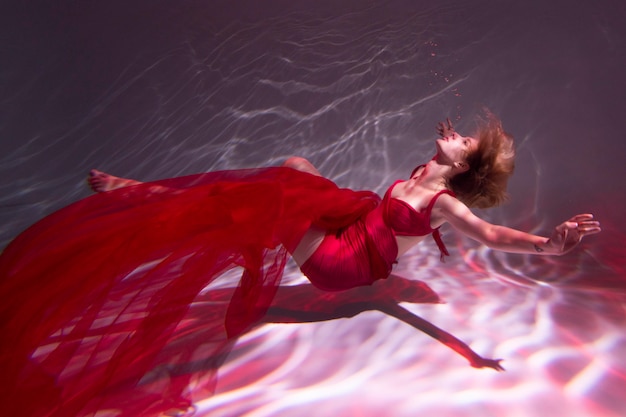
column 153, row 89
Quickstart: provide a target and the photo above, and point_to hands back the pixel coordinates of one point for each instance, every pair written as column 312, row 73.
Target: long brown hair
column 491, row 164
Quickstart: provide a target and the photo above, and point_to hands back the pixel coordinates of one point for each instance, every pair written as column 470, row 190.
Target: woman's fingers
column 589, row 230
column 569, row 233
column 444, row 128
column 584, row 224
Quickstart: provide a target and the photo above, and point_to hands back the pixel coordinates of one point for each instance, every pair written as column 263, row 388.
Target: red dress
column 96, row 297
column 366, row 250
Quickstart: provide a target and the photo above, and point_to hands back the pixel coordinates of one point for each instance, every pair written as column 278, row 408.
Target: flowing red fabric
column 96, row 297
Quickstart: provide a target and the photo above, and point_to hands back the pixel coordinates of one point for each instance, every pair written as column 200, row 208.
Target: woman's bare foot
column 101, row 182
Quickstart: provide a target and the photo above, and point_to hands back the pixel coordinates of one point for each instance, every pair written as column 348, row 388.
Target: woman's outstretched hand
column 445, row 129
column 487, row 363
column 567, row 235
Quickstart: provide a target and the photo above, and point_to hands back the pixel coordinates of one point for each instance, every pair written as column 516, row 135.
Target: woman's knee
column 301, row 164
column 296, row 162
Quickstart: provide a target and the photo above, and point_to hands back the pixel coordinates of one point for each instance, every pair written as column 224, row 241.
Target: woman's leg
column 310, row 242
column 301, row 164
column 314, row 236
column 101, row 182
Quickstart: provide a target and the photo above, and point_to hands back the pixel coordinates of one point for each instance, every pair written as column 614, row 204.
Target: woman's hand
column 568, row 234
column 445, row 129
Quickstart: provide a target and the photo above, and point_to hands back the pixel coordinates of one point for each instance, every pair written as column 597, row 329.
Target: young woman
column 465, row 172
column 96, row 297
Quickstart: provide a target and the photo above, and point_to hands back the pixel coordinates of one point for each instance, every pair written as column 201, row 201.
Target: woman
column 97, row 297
column 465, row 172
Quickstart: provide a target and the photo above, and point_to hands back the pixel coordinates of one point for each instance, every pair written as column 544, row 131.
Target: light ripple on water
column 353, row 90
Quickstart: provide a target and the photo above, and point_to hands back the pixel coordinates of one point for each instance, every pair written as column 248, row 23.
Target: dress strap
column 436, row 234
column 433, row 200
column 442, row 247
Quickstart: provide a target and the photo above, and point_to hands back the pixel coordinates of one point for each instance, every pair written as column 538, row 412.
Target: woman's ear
column 461, row 166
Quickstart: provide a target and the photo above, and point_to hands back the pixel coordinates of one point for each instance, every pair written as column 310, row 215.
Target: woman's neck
column 435, row 176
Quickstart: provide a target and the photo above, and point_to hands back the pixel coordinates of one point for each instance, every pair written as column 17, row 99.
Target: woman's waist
column 407, row 242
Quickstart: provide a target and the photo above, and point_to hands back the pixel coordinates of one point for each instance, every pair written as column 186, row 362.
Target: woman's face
column 454, row 147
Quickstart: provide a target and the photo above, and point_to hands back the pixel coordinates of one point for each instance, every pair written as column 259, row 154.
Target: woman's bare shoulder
column 446, row 205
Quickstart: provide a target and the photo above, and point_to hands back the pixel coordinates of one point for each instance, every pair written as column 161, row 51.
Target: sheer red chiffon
column 96, row 297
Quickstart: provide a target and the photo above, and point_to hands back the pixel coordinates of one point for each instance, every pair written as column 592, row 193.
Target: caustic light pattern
column 152, row 90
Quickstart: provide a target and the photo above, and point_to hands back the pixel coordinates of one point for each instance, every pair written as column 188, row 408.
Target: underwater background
column 157, row 89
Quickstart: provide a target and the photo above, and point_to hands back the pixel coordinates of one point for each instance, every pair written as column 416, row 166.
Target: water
column 159, row 89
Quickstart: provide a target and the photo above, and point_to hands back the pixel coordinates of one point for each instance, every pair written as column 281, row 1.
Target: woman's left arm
column 564, row 238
